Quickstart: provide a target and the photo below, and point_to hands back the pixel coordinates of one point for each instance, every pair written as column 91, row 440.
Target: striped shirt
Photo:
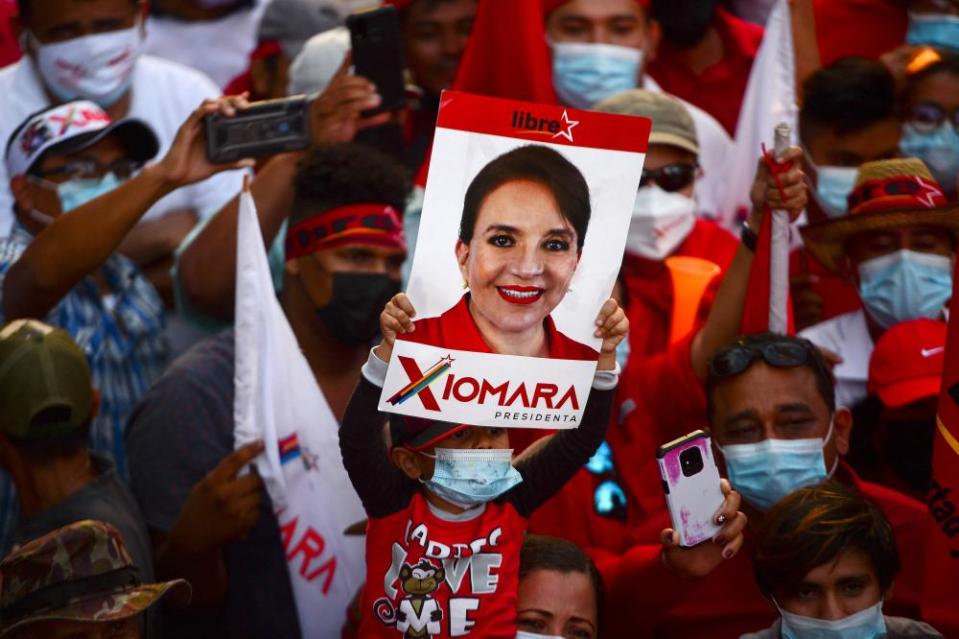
column 121, row 334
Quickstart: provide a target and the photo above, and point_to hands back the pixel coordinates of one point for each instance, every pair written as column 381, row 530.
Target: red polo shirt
column 719, row 89
column 859, row 27
column 456, row 329
column 644, row 599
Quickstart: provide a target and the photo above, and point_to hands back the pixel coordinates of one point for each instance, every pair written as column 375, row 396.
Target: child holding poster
column 520, row 272
column 447, row 518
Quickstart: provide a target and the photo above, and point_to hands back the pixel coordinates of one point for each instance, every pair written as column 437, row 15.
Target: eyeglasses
column 609, row 499
column 84, row 168
column 671, row 177
column 784, row 354
column 926, row 117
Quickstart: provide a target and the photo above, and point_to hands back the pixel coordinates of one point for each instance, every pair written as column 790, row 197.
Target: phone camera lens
column 691, row 461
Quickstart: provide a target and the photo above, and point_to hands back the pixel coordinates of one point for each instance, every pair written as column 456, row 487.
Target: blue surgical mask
column 833, row 186
column 765, row 472
column 905, row 285
column 939, row 149
column 467, row 477
column 865, row 624
column 584, row 74
column 76, row 193
column 937, row 30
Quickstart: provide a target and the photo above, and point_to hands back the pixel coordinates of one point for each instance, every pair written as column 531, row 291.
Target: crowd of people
column 127, row 507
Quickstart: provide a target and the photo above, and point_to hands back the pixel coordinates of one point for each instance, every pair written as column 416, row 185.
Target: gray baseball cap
column 293, row 22
column 672, row 124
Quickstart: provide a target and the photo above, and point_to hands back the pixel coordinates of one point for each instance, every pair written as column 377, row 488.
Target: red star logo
column 567, row 131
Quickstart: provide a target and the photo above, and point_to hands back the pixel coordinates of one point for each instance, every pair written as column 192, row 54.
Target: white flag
column 770, row 99
column 279, row 401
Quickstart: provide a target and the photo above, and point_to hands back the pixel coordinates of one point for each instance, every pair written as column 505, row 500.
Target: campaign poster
column 521, row 238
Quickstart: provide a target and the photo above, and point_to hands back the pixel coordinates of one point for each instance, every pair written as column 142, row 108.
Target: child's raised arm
column 382, row 487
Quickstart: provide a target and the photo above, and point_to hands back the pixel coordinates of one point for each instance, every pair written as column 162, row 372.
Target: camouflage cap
column 81, row 572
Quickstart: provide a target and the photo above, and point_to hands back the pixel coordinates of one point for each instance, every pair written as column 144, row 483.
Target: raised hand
column 765, row 192
column 612, row 326
column 336, row 114
column 186, row 161
column 701, row 560
column 396, row 319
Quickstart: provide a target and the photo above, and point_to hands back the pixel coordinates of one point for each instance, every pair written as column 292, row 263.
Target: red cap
column 907, row 362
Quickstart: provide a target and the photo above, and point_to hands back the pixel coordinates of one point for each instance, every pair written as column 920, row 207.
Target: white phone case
column 692, row 500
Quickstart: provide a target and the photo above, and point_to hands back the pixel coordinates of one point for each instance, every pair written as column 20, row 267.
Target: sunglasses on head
column 671, row 177
column 926, row 117
column 609, row 499
column 736, row 359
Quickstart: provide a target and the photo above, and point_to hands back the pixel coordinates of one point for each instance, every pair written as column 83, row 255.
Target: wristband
column 748, row 237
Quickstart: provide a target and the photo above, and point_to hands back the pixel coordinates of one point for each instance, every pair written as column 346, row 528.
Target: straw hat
column 889, row 194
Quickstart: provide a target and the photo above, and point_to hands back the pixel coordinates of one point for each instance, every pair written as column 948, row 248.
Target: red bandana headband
column 372, row 224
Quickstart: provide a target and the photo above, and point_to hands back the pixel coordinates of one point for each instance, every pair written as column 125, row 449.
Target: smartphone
column 691, row 483
column 265, row 128
column 378, row 54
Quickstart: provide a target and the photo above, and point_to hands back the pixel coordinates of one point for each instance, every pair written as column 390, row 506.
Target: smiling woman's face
column 521, row 259
column 561, row 604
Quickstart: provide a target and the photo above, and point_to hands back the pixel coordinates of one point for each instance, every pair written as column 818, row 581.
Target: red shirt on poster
column 442, row 578
column 456, row 329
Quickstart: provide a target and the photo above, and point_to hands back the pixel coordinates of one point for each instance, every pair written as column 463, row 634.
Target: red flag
column 940, row 593
column 507, row 55
column 756, row 312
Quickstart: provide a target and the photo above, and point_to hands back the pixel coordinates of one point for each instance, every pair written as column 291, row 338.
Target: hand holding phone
column 262, row 128
column 377, row 53
column 691, row 483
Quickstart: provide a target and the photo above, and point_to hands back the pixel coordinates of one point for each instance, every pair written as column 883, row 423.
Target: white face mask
column 865, row 624
column 661, row 221
column 96, row 67
column 522, row 634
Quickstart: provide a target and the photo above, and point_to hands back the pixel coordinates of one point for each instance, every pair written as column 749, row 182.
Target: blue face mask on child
column 765, row 472
column 938, row 149
column 936, row 30
column 905, row 285
column 865, row 624
column 467, row 477
column 584, row 74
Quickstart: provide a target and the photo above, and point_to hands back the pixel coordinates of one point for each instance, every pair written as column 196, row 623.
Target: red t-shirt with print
column 442, row 578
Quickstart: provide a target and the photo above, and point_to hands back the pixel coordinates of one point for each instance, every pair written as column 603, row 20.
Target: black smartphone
column 265, row 128
column 378, row 54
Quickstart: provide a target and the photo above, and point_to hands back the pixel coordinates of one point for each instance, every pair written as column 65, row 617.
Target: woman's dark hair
column 814, row 526
column 542, row 552
column 534, row 163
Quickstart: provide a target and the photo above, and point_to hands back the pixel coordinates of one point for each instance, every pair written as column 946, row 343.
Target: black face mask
column 685, row 22
column 353, row 313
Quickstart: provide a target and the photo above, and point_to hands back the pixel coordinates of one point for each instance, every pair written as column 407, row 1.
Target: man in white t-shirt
column 898, row 244
column 602, row 48
column 91, row 50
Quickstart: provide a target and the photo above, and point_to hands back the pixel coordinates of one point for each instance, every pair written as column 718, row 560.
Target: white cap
column 317, row 63
column 82, row 122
